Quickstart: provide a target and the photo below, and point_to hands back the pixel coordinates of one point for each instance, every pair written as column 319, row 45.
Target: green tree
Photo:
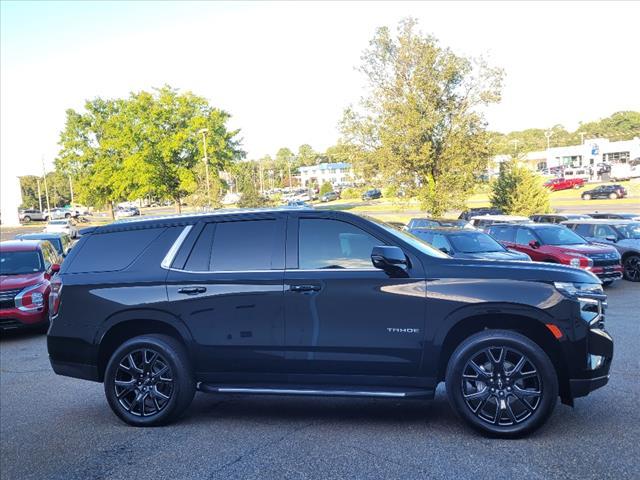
column 145, row 145
column 326, row 187
column 519, row 191
column 421, row 124
column 306, row 156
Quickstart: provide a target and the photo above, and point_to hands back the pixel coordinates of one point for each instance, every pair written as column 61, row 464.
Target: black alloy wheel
column 632, row 268
column 149, row 380
column 501, row 383
column 501, row 386
column 144, row 382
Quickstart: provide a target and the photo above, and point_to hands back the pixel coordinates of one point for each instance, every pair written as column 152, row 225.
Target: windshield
column 559, row 236
column 475, row 242
column 412, row 240
column 629, row 230
column 17, row 263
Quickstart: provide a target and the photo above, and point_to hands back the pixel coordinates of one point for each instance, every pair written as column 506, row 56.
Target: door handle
column 192, row 290
column 304, row 288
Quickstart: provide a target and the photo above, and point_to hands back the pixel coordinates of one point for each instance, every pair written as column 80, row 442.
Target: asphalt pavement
column 54, row 427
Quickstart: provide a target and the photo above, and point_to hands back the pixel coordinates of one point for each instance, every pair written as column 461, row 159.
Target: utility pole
column 46, row 190
column 71, row 188
column 261, row 178
column 582, row 134
column 289, row 167
column 206, row 164
column 39, row 194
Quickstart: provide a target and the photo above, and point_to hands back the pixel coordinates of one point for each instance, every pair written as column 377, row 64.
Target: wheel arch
column 125, row 325
column 526, row 323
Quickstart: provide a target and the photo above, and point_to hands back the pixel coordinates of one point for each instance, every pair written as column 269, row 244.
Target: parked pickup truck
column 564, row 183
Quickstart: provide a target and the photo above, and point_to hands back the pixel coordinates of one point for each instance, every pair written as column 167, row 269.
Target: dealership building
column 334, row 173
column 590, row 154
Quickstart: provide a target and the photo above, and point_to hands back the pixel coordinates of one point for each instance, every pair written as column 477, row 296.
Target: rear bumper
column 73, row 357
column 608, row 273
column 75, row 370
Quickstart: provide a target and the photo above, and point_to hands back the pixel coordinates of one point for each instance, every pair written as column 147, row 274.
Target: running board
column 317, row 390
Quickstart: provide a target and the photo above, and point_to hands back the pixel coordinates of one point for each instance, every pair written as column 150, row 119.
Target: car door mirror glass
column 534, row 244
column 611, row 238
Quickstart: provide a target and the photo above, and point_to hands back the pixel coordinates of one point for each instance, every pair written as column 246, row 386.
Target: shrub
column 519, row 191
column 326, row 188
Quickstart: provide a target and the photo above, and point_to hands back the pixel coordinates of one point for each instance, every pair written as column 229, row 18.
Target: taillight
column 54, row 295
column 31, row 298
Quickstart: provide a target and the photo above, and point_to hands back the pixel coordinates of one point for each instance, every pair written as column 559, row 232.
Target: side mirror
column 534, row 244
column 611, row 238
column 444, row 250
column 55, row 268
column 390, row 259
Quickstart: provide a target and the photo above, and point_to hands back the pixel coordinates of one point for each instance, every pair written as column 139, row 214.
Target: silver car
column 66, row 226
column 624, row 235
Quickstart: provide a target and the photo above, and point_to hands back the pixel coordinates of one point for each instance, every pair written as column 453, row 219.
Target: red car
column 26, row 270
column 564, row 183
column 558, row 244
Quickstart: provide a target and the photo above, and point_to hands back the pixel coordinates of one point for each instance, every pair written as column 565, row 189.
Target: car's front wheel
column 613, row 196
column 149, row 380
column 632, row 268
column 502, row 383
column 586, row 196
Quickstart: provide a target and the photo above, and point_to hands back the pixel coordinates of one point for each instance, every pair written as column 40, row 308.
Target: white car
column 62, row 226
column 483, row 221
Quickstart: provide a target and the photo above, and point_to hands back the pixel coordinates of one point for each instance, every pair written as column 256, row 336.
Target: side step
column 318, row 390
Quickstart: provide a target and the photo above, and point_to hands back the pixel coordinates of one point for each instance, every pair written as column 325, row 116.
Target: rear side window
column 112, row 251
column 235, row 246
column 503, row 234
column 583, row 229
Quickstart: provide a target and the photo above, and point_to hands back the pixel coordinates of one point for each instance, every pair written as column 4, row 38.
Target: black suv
column 311, row 302
column 605, row 191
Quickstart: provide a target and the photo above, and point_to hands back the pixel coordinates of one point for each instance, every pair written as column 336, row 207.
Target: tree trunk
column 111, row 211
column 178, row 206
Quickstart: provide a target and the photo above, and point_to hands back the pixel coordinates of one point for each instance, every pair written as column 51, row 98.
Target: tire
column 613, row 196
column 46, row 219
column 586, row 196
column 505, row 406
column 67, row 215
column 631, row 266
column 26, row 219
column 607, row 283
column 166, row 398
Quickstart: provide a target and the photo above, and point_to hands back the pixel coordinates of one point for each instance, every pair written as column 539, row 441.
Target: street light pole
column 46, row 189
column 206, row 164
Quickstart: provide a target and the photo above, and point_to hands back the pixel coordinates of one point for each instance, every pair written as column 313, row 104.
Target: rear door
column 226, row 284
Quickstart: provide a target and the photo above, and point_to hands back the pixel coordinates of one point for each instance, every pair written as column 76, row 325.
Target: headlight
column 575, row 289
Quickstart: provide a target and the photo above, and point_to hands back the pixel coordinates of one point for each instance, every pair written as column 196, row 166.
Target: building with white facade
column 591, row 154
column 334, row 173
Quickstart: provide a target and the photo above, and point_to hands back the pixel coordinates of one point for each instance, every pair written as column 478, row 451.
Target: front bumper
column 597, row 364
column 12, row 318
column 608, row 273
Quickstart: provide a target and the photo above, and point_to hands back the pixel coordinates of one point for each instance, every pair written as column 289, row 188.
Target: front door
column 342, row 315
column 229, row 293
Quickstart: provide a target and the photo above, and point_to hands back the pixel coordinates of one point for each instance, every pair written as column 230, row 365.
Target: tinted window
column 524, row 236
column 422, row 223
column 334, row 244
column 503, row 234
column 425, row 235
column 583, row 229
column 108, row 252
column 200, row 258
column 245, row 245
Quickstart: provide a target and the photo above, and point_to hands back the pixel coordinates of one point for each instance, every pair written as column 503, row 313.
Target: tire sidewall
column 183, row 385
column 496, row 338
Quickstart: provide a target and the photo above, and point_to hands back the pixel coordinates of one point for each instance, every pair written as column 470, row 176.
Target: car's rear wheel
column 613, row 196
column 586, row 196
column 632, row 268
column 149, row 380
column 26, row 219
column 502, row 383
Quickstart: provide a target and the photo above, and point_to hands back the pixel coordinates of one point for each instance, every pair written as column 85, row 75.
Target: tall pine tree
column 519, row 191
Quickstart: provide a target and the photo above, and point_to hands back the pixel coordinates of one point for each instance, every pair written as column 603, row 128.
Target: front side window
column 583, row 229
column 524, row 236
column 629, row 230
column 440, row 242
column 503, row 234
column 604, row 231
column 325, row 243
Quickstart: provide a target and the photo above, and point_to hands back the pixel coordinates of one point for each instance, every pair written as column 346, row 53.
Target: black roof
column 191, row 218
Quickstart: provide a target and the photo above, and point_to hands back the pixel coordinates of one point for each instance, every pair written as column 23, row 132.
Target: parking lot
column 61, row 428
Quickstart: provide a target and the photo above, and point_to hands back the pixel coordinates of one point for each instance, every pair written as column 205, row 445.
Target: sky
column 286, row 71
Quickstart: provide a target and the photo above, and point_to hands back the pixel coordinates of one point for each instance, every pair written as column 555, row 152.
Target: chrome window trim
column 278, row 270
column 171, row 254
